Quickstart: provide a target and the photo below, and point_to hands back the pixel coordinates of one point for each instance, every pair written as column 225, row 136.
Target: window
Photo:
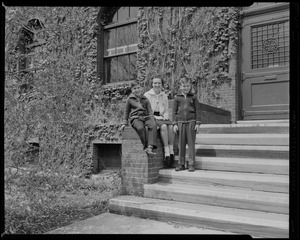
column 120, row 46
column 30, row 42
column 270, row 45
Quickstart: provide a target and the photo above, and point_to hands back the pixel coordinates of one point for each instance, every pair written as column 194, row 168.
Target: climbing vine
column 197, row 42
column 64, row 107
column 66, row 93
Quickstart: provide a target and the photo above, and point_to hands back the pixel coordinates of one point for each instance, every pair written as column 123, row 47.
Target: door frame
column 251, row 13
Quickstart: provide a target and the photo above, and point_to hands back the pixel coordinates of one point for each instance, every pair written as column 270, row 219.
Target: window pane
column 271, row 45
column 132, row 67
column 115, row 18
column 132, row 34
column 110, row 42
column 123, row 68
column 123, row 14
column 111, row 66
column 122, row 39
column 133, row 12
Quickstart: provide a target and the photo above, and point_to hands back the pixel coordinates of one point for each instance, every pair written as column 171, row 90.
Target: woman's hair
column 184, row 80
column 161, row 80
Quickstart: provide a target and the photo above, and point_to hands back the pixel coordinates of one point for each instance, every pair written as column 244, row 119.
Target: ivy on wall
column 64, row 107
column 67, row 107
column 197, row 42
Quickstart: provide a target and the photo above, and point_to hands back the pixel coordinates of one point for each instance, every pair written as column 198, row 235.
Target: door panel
column 265, row 66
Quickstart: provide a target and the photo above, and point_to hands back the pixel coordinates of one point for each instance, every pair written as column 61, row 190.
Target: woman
column 160, row 106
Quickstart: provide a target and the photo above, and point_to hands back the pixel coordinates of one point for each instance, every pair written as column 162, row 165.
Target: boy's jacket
column 135, row 108
column 186, row 109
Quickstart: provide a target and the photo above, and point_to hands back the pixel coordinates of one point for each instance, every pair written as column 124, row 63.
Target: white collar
column 151, row 92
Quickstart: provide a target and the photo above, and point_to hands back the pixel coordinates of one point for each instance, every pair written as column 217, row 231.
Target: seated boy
column 139, row 113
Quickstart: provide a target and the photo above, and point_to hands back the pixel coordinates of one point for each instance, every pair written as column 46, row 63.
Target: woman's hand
column 175, row 128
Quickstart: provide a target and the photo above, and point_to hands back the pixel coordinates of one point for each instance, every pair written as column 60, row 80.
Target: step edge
column 280, row 200
column 236, row 214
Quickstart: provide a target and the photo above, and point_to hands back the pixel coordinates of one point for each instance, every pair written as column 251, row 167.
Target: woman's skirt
column 159, row 123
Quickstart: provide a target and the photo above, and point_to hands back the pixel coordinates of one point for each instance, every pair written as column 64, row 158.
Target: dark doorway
column 107, row 156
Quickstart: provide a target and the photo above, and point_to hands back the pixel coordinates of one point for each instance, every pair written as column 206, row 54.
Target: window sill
column 116, row 84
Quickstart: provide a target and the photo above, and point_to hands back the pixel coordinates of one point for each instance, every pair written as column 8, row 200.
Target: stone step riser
column 245, row 165
column 272, row 206
column 162, row 213
column 247, row 130
column 240, row 153
column 277, row 187
column 244, row 139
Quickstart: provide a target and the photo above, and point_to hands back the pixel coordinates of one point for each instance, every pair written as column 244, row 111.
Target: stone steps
column 255, row 181
column 255, row 223
column 242, row 128
column 255, row 165
column 241, row 182
column 244, row 151
column 233, row 197
column 244, row 139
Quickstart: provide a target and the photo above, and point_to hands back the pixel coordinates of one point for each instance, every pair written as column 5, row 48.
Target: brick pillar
column 137, row 167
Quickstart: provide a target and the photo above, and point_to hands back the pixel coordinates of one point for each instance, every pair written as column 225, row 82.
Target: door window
column 270, row 45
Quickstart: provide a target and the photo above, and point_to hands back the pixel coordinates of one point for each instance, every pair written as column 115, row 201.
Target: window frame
column 29, row 49
column 116, row 55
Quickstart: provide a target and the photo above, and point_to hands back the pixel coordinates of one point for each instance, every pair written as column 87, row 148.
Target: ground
column 30, row 209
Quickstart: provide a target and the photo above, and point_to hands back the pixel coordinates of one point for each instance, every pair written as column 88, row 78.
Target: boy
column 138, row 111
column 186, row 121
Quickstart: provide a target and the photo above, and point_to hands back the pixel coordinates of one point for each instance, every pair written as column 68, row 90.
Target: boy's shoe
column 149, row 151
column 191, row 169
column 180, row 168
column 167, row 161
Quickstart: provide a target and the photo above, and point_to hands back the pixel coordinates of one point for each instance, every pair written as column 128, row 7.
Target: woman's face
column 156, row 84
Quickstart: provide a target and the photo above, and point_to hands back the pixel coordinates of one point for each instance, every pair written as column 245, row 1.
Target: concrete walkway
column 108, row 223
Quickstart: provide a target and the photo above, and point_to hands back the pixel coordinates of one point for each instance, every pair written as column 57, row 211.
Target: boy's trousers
column 187, row 135
column 140, row 124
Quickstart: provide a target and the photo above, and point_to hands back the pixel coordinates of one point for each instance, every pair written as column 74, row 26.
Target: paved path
column 108, row 223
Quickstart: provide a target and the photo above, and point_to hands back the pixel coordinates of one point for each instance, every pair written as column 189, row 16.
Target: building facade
column 253, row 80
column 237, row 57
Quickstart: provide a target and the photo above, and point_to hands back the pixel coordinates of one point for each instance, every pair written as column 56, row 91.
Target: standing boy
column 139, row 113
column 186, row 121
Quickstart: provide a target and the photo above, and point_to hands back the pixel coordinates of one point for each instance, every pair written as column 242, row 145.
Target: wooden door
column 265, row 64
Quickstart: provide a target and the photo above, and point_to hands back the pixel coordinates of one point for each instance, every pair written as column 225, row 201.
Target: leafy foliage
column 197, row 42
column 61, row 108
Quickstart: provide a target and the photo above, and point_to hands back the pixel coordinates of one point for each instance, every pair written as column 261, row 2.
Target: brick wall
column 137, row 167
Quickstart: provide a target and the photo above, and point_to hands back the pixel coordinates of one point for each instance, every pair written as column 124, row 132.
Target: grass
column 34, row 206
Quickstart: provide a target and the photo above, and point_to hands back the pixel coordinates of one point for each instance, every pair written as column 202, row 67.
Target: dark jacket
column 135, row 108
column 186, row 109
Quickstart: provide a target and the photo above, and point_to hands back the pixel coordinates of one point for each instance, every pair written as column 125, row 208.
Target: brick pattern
column 137, row 167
